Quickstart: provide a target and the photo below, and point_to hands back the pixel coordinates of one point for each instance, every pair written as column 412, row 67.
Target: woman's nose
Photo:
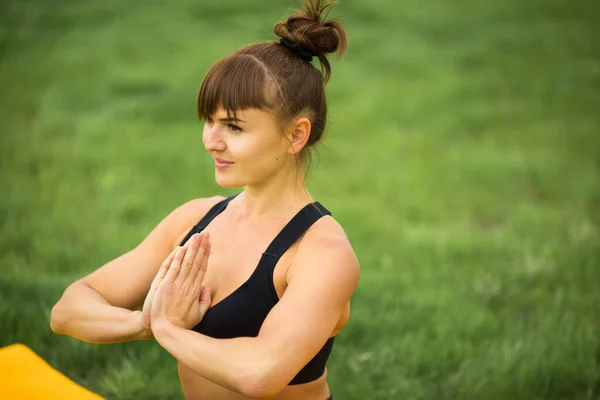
column 211, row 137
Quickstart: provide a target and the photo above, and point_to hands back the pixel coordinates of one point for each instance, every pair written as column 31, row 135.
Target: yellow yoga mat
column 24, row 375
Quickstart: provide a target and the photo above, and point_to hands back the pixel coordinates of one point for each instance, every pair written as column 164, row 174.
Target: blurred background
column 462, row 157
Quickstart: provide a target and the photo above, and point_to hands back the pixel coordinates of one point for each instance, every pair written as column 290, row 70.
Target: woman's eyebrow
column 231, row 119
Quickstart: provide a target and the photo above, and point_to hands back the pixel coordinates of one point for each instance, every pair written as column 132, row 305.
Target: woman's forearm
column 236, row 364
column 85, row 315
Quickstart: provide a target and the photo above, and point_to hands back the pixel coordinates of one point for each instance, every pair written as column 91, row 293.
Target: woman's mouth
column 219, row 163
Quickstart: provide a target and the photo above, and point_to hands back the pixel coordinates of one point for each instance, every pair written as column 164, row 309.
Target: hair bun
column 313, row 33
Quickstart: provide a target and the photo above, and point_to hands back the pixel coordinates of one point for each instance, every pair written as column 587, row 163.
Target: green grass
column 462, row 157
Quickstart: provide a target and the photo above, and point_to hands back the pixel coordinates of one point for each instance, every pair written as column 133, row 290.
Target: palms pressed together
column 176, row 295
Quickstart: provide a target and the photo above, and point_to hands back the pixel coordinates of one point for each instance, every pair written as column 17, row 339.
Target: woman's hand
column 150, row 296
column 178, row 296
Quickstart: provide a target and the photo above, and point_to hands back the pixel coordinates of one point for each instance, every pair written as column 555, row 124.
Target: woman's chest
column 235, row 257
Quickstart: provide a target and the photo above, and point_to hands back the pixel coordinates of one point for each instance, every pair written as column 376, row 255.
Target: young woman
column 246, row 292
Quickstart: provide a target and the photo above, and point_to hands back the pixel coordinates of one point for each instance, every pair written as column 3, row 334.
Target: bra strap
column 295, row 228
column 210, row 215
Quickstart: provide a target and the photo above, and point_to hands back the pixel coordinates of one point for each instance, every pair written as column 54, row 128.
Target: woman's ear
column 298, row 134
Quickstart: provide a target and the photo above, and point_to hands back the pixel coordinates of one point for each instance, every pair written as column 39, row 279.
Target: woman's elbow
column 64, row 310
column 58, row 319
column 262, row 384
column 258, row 389
column 56, row 324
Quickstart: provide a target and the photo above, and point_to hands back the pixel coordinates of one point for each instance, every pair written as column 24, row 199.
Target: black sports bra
column 243, row 311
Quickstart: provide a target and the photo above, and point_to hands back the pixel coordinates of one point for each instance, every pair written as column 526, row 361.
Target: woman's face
column 247, row 151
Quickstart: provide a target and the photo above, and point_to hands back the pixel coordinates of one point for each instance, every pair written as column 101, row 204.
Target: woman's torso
column 236, row 249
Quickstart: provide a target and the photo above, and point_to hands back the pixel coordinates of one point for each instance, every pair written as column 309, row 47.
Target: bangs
column 235, row 83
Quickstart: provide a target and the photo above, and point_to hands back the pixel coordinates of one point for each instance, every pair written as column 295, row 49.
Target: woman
column 246, row 292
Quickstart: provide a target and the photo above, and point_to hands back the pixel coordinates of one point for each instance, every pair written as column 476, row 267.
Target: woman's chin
column 227, row 183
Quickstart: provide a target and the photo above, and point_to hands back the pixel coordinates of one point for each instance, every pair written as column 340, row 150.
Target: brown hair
column 272, row 77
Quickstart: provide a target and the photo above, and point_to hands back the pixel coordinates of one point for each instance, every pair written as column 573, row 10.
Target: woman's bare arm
column 101, row 307
column 84, row 314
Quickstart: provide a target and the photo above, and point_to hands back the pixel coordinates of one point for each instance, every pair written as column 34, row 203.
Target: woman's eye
column 234, row 128
column 209, row 120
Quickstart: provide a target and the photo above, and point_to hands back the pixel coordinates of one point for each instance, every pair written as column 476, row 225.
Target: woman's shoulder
column 325, row 233
column 326, row 237
column 326, row 245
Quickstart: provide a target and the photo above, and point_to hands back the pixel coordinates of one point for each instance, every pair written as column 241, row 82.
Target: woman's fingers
column 201, row 260
column 205, row 300
column 188, row 262
column 175, row 265
column 163, row 269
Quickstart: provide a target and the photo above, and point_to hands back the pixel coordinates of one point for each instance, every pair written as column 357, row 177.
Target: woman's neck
column 277, row 197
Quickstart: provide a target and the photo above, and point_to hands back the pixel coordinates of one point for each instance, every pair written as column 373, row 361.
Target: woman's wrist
column 141, row 330
column 162, row 328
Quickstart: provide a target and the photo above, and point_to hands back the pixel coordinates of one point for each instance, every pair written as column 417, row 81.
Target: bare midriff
column 196, row 387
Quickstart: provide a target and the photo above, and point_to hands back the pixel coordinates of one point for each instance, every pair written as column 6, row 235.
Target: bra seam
column 240, row 288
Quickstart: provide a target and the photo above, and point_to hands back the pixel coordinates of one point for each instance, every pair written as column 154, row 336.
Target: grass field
column 462, row 158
